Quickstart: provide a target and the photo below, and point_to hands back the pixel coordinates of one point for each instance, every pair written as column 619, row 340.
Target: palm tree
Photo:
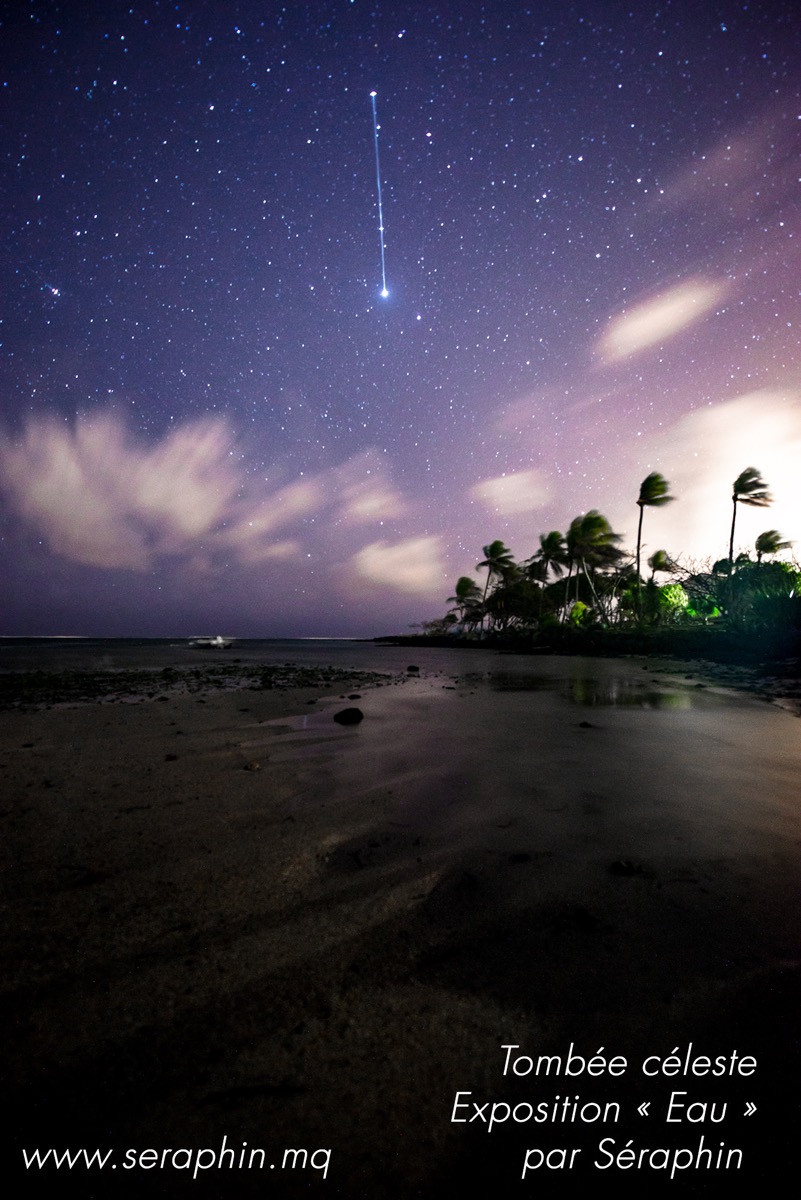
column 498, row 561
column 467, row 595
column 591, row 542
column 551, row 556
column 770, row 542
column 653, row 494
column 552, row 552
column 748, row 488
column 571, row 541
column 660, row 560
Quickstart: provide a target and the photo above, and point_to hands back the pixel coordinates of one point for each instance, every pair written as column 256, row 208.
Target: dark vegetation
column 580, row 592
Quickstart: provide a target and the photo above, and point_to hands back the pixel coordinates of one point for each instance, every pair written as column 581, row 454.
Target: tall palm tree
column 551, row 556
column 591, row 544
column 498, row 561
column 467, row 594
column 571, row 542
column 552, row 552
column 748, row 488
column 770, row 542
column 653, row 494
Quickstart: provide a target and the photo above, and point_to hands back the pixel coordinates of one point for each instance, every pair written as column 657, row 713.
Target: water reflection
column 619, row 691
column 308, row 735
column 590, row 691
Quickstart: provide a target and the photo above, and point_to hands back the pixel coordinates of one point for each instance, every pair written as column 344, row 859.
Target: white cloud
column 701, row 455
column 101, row 500
column 523, row 491
column 363, row 492
column 658, row 319
column 99, row 497
column 412, row 565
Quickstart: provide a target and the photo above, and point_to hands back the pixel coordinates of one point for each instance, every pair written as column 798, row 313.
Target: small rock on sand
column 349, row 716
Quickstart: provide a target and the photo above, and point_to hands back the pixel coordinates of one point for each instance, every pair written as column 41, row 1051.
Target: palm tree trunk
column 484, row 599
column 588, row 577
column 639, row 542
column 731, row 538
column 567, row 590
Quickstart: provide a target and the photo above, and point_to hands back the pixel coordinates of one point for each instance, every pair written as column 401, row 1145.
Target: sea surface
column 619, row 682
column 118, row 654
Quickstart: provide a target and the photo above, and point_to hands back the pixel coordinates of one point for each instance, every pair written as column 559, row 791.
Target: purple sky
column 211, row 419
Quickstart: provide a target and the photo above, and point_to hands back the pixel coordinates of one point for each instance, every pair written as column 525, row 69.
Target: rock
column 412, row 670
column 349, row 716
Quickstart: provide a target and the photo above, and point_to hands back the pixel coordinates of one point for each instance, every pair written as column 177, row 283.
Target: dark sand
column 225, row 921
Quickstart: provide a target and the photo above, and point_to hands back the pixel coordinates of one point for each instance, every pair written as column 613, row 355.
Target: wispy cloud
column 100, row 497
column 660, row 318
column 522, row 491
column 747, row 173
column 363, row 493
column 412, row 565
column 702, row 454
column 101, row 500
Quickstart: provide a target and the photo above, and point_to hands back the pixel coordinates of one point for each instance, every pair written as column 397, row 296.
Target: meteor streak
column 384, row 291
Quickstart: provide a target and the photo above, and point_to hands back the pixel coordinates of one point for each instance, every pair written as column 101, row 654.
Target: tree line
column 584, row 578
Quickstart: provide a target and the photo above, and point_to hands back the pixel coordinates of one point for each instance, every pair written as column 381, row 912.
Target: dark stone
column 412, row 670
column 349, row 716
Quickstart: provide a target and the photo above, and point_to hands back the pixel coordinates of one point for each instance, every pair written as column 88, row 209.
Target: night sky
column 213, row 422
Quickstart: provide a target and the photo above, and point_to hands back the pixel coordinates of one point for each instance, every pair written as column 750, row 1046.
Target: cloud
column 701, row 455
column 362, row 491
column 658, row 319
column 746, row 174
column 412, row 566
column 99, row 497
column 520, row 492
column 100, row 500
column 371, row 502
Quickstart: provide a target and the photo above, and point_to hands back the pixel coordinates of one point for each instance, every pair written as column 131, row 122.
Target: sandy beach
column 231, row 920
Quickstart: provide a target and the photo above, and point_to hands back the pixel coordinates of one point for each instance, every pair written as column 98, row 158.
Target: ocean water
column 586, row 682
column 93, row 654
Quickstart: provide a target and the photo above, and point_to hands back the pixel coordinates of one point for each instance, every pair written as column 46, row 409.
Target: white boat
column 211, row 643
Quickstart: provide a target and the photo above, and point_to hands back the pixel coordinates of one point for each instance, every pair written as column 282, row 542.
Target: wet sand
column 228, row 916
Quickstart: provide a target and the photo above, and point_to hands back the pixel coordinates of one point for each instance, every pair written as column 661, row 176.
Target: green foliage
column 750, row 488
column 580, row 614
column 654, row 491
column 703, row 608
column 673, row 601
column 765, row 595
column 602, row 586
column 770, row 542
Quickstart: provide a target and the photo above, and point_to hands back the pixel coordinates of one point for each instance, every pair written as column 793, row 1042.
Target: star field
column 209, row 413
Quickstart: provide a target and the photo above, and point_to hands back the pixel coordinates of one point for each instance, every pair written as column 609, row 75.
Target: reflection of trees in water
column 614, row 691
column 618, row 691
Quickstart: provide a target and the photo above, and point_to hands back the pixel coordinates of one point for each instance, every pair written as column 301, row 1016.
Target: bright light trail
column 384, row 291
